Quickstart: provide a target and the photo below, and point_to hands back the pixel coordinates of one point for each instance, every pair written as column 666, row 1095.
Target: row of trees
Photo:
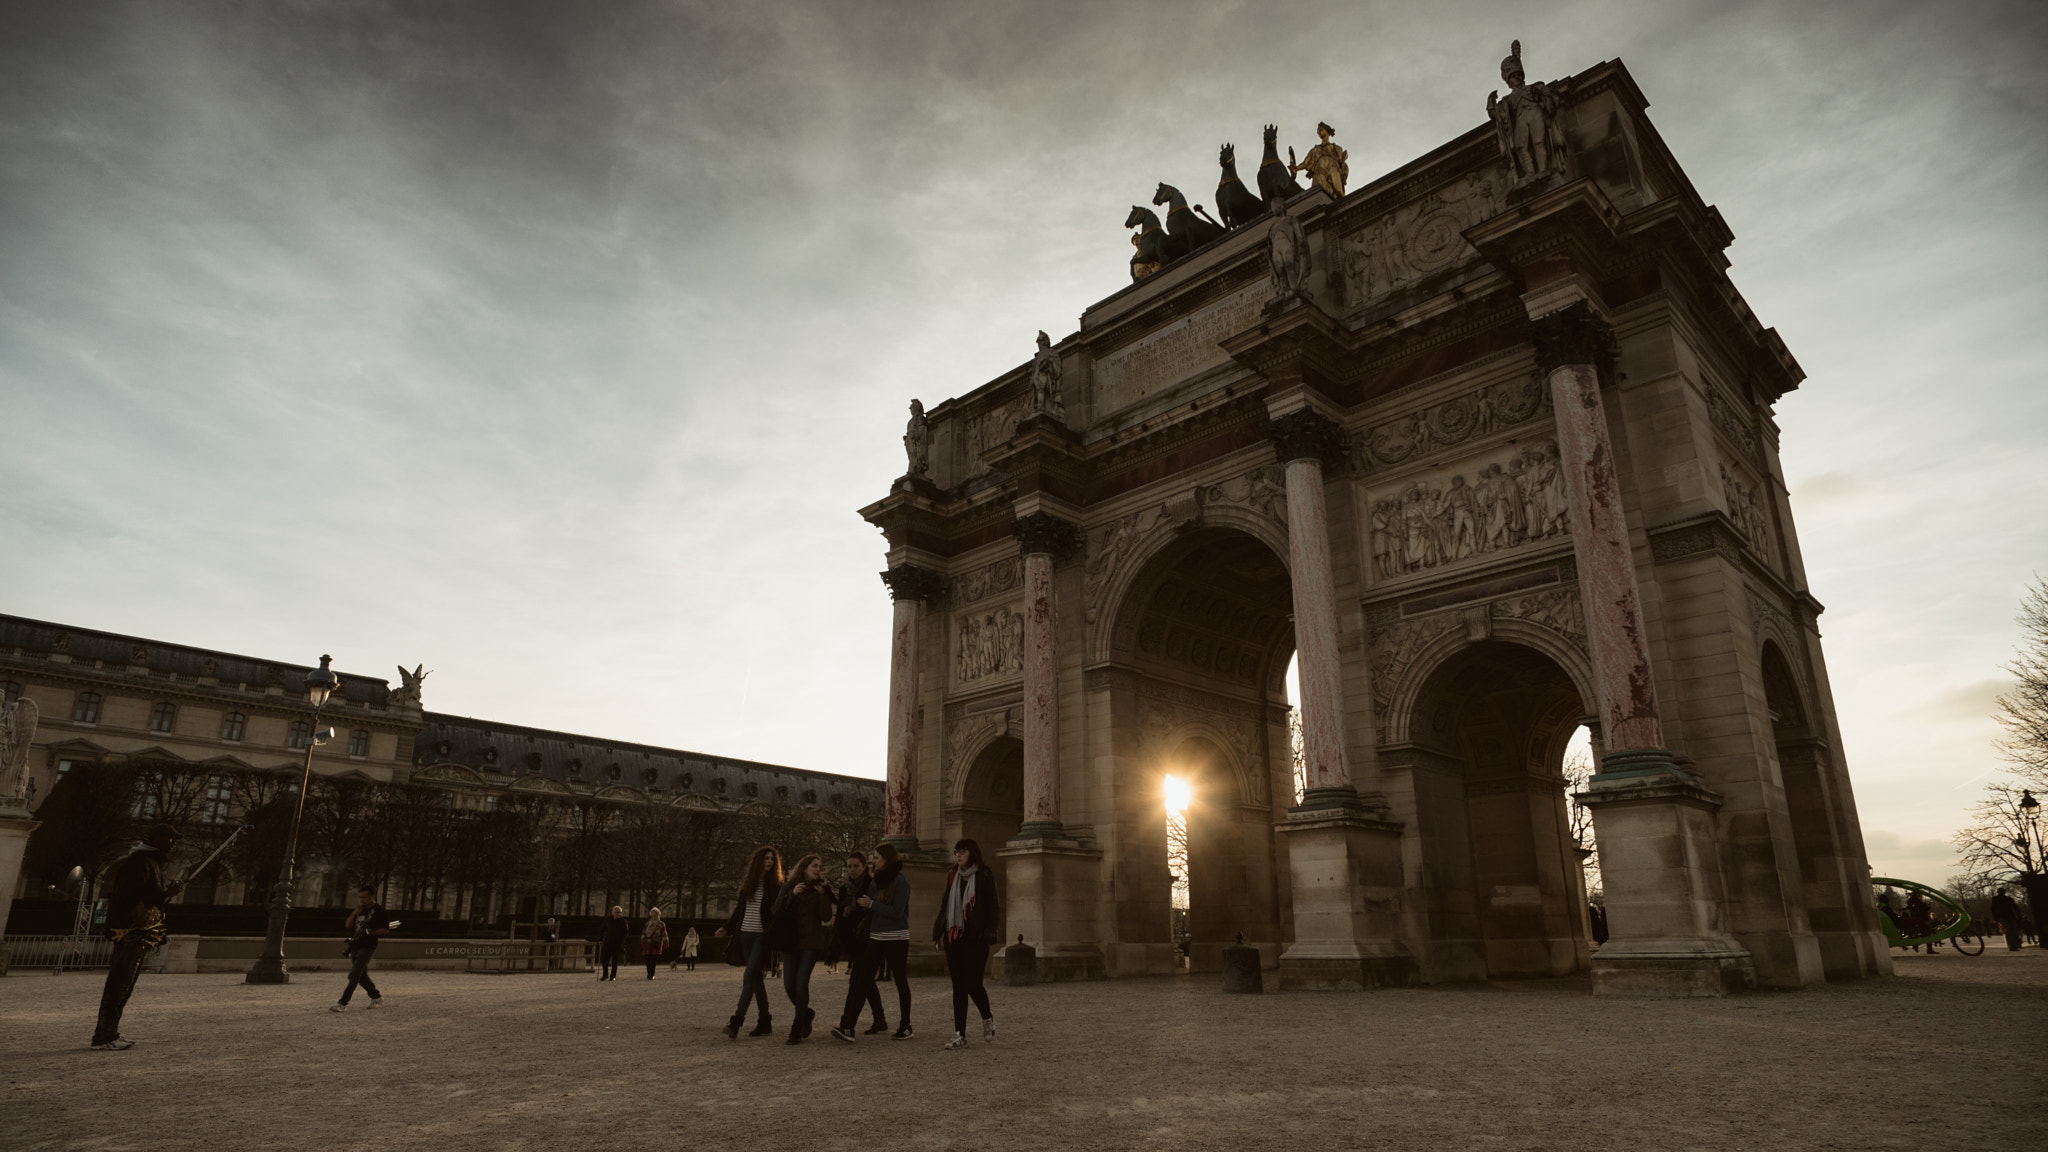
column 2001, row 843
column 421, row 845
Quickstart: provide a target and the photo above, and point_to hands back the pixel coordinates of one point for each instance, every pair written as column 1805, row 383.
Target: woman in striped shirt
column 751, row 905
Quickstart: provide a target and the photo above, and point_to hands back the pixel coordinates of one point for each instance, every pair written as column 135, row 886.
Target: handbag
column 734, row 954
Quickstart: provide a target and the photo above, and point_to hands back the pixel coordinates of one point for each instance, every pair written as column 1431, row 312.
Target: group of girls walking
column 866, row 922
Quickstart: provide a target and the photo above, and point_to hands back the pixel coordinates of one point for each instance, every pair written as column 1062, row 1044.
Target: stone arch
column 1158, row 532
column 1452, row 633
column 1483, row 729
column 1248, row 785
column 619, row 792
column 1817, row 805
column 538, row 783
column 965, row 743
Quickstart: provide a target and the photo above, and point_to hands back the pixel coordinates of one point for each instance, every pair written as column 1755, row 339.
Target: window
column 163, row 717
column 9, row 692
column 359, row 742
column 490, row 803
column 86, row 708
column 63, row 766
column 219, row 790
column 231, row 726
column 301, row 735
column 750, row 789
column 148, row 795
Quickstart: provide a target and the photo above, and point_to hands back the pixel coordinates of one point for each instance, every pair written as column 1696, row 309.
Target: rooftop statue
column 1288, row 257
column 1275, row 178
column 917, row 440
column 1185, row 231
column 1045, row 381
column 409, row 685
column 1325, row 164
column 1526, row 123
column 1149, row 241
column 1236, row 202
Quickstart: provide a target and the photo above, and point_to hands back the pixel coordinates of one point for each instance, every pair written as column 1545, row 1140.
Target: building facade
column 1487, row 446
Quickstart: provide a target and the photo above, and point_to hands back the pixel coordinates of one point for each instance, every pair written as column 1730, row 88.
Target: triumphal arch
column 1486, row 445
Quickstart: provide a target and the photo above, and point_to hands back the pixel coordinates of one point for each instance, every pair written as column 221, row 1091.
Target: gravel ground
column 513, row 1062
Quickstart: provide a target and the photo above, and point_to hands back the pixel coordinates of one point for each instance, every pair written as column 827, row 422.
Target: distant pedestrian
column 135, row 922
column 749, row 922
column 614, row 945
column 1919, row 919
column 653, row 940
column 2006, row 911
column 364, row 925
column 802, row 917
column 551, row 932
column 970, row 919
column 850, row 932
column 1597, row 915
column 688, row 951
column 886, row 902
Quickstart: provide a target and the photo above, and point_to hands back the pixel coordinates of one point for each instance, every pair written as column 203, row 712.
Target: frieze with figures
column 1480, row 412
column 990, row 645
column 991, row 429
column 1492, row 505
column 1721, row 413
column 1420, row 238
column 1746, row 509
column 991, row 579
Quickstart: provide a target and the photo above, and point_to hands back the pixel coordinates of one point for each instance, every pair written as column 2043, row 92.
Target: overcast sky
column 556, row 345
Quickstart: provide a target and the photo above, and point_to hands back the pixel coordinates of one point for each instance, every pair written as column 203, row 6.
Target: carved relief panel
column 1749, row 506
column 1397, row 642
column 1419, row 238
column 1478, row 413
column 988, row 645
column 989, row 429
column 1179, row 351
column 1501, row 499
column 991, row 579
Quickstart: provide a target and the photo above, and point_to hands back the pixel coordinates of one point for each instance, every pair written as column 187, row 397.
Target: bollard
column 1241, row 969
column 1020, row 964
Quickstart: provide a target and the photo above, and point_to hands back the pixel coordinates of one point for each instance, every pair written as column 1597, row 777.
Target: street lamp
column 269, row 967
column 2029, row 841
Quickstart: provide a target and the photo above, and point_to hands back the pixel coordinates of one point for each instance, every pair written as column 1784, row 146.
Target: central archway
column 1503, row 893
column 1195, row 689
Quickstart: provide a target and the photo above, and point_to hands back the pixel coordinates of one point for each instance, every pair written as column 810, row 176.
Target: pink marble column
column 1306, row 440
column 1043, row 537
column 910, row 586
column 1571, row 346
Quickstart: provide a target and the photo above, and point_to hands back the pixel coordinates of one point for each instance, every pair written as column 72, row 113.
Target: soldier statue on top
column 1045, row 381
column 1531, row 138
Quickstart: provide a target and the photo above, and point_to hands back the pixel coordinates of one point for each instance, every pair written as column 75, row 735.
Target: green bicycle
column 1947, row 922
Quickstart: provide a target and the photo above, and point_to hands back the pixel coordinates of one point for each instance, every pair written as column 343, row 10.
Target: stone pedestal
column 1346, row 869
column 1051, row 900
column 1658, row 865
column 15, row 826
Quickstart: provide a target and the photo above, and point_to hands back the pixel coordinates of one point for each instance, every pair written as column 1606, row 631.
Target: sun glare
column 1178, row 794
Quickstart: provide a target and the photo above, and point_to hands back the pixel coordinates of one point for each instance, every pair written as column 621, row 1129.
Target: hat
column 1513, row 62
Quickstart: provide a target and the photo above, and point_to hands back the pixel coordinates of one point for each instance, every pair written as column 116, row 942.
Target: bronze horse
column 1150, row 255
column 1185, row 231
column 1233, row 200
column 1274, row 178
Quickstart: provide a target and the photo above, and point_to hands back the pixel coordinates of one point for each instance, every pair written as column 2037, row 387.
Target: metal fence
column 67, row 953
column 525, row 956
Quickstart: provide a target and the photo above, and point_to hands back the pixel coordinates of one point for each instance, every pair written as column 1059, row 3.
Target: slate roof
column 84, row 645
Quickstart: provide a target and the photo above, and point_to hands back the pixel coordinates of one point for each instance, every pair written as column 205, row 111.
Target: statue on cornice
column 17, row 732
column 917, row 440
column 1325, row 163
column 409, row 686
column 1045, row 381
column 1287, row 256
column 1526, row 123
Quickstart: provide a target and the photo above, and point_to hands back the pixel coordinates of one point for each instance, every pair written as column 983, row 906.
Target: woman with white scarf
column 970, row 920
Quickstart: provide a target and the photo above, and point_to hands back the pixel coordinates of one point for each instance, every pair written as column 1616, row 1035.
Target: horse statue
column 1185, row 231
column 1150, row 243
column 1274, row 178
column 1236, row 202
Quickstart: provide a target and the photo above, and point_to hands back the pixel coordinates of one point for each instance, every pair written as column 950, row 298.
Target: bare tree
column 1994, row 845
column 2023, row 711
column 1578, row 773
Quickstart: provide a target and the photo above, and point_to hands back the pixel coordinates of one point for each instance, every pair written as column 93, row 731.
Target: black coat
column 984, row 918
column 809, row 910
column 615, row 930
column 138, row 887
column 850, row 930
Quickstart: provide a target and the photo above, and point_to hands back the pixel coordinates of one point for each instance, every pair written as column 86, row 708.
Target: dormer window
column 750, row 789
column 718, row 786
column 576, row 767
column 613, row 771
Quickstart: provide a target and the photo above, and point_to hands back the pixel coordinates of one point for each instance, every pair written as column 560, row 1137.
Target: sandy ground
column 472, row 1062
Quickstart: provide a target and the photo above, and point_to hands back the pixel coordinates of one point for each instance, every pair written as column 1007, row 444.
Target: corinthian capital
column 1573, row 335
column 1305, row 434
column 909, row 582
column 1044, row 532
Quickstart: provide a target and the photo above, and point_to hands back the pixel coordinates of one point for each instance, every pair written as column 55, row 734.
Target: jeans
column 2012, row 935
column 967, row 964
column 864, row 989
column 122, row 970
column 752, row 987
column 796, row 980
column 611, row 964
column 651, row 962
column 359, row 973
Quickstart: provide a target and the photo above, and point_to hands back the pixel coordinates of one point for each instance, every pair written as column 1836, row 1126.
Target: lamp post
column 269, row 967
column 2031, row 878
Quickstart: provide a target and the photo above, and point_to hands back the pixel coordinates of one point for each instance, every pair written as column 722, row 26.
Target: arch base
column 1346, row 867
column 1050, row 904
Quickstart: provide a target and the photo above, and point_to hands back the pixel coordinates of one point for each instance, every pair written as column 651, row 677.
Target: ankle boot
column 765, row 1028
column 810, row 1014
column 796, row 1033
column 732, row 1027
